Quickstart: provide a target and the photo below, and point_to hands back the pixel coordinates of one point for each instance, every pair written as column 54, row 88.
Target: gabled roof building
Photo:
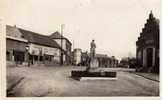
column 41, row 49
column 65, row 46
column 147, row 52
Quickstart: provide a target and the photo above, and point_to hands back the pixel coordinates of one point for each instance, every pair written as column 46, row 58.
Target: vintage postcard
column 80, row 49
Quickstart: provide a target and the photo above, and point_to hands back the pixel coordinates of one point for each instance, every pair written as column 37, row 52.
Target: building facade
column 84, row 58
column 65, row 45
column 128, row 62
column 113, row 62
column 15, row 46
column 103, row 59
column 106, row 61
column 147, row 52
column 41, row 49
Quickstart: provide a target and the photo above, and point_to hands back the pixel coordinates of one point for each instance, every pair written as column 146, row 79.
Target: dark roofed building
column 41, row 49
column 36, row 38
column 105, row 61
column 147, row 52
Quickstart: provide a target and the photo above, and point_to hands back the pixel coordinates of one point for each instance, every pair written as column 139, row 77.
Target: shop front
column 43, row 55
column 15, row 51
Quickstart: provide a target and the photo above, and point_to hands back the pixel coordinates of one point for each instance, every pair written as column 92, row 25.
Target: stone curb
column 147, row 77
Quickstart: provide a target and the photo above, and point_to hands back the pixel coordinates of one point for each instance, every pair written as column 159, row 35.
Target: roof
column 13, row 31
column 17, row 39
column 77, row 49
column 36, row 38
column 101, row 55
column 57, row 35
column 84, row 54
column 151, row 25
column 14, row 34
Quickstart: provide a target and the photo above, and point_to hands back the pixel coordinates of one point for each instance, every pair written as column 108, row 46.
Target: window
column 35, row 58
column 22, row 36
column 41, row 58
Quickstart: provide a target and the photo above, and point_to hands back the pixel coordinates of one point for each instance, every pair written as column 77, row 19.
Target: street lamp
column 27, row 49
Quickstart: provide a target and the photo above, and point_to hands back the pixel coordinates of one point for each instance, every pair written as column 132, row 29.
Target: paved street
column 56, row 81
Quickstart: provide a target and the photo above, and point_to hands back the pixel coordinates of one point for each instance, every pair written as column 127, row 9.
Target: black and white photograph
column 80, row 48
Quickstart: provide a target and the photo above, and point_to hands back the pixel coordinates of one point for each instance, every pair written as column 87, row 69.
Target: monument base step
column 79, row 73
column 96, row 78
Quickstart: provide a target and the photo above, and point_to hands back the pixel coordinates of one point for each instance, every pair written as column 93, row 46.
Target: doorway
column 149, row 57
column 19, row 56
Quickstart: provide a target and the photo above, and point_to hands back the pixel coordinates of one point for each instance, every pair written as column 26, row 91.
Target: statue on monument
column 93, row 62
column 92, row 49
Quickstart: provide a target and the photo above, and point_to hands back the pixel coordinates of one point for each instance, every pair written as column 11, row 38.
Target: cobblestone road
column 56, row 81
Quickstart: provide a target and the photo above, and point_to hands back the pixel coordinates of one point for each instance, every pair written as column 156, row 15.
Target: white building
column 66, row 46
column 77, row 53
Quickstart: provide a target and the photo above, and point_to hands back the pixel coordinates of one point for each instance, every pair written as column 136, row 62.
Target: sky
column 114, row 24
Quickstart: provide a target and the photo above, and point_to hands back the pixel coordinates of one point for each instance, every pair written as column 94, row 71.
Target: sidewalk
column 150, row 76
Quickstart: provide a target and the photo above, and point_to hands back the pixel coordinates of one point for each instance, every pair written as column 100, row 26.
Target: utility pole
column 62, row 26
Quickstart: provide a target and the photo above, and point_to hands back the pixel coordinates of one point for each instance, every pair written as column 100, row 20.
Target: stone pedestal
column 94, row 63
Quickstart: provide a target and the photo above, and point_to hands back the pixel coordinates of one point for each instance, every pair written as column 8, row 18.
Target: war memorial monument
column 92, row 71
